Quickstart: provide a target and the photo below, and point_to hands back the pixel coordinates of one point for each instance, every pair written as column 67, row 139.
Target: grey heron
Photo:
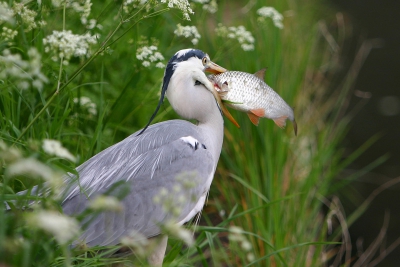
column 161, row 158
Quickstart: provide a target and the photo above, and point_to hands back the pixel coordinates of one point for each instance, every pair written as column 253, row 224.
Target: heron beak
column 215, row 69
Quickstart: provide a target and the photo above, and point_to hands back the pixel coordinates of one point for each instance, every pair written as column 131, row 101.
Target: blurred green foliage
column 269, row 183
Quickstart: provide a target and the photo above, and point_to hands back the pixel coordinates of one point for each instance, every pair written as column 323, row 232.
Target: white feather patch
column 182, row 52
column 190, row 140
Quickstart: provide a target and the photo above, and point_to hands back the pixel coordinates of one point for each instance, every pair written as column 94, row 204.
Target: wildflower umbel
column 188, row 31
column 86, row 102
column 182, row 5
column 54, row 147
column 8, row 34
column 65, row 45
column 33, row 168
column 6, row 13
column 244, row 37
column 23, row 73
column 210, row 6
column 62, row 227
column 82, row 7
column 236, row 235
column 148, row 55
column 106, row 203
column 27, row 17
column 270, row 12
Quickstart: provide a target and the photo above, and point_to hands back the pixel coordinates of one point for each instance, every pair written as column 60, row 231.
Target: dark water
column 380, row 76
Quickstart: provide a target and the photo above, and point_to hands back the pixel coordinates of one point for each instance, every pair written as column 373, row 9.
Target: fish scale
column 248, row 93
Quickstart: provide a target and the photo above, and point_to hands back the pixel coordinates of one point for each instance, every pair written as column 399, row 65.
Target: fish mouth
column 216, row 69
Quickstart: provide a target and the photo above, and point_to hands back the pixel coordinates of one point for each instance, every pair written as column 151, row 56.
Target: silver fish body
column 249, row 93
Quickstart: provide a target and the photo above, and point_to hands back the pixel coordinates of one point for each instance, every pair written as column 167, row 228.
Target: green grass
column 270, row 183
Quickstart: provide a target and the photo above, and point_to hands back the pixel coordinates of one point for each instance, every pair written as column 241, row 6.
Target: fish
column 249, row 93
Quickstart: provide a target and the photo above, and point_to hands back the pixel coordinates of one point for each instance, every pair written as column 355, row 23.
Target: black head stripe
column 179, row 56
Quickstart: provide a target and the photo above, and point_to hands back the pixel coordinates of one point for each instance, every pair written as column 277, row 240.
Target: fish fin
column 260, row 74
column 294, row 127
column 281, row 121
column 253, row 118
column 259, row 112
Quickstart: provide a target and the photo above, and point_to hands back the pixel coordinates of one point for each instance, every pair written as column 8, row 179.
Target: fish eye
column 205, row 60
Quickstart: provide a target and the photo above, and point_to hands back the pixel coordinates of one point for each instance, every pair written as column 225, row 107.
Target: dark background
column 380, row 76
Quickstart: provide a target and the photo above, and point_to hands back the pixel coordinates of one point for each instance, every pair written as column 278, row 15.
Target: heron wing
column 166, row 175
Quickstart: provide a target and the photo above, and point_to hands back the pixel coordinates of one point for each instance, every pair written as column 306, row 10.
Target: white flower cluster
column 177, row 231
column 236, row 235
column 35, row 169
column 27, row 16
column 188, row 31
column 137, row 242
column 82, row 7
column 270, row 12
column 86, row 102
column 210, row 6
column 244, row 37
column 21, row 72
column 54, row 147
column 62, row 227
column 149, row 54
column 127, row 4
column 106, row 203
column 65, row 44
column 8, row 34
column 182, row 5
column 6, row 13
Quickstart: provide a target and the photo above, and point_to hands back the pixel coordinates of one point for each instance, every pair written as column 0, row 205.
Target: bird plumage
column 147, row 168
column 157, row 159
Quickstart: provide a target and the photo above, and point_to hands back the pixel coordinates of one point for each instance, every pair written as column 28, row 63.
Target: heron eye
column 197, row 82
column 205, row 60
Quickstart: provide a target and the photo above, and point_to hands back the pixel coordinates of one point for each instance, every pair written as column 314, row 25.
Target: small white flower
column 8, row 34
column 182, row 5
column 82, row 7
column 87, row 103
column 270, row 12
column 160, row 65
column 236, row 235
column 179, row 232
column 188, row 31
column 35, row 169
column 106, row 203
column 250, row 257
column 62, row 227
column 27, row 16
column 54, row 147
column 6, row 13
column 148, row 55
column 146, row 63
column 247, row 47
column 137, row 242
column 210, row 6
column 22, row 72
column 31, row 167
column 244, row 37
column 65, row 45
column 246, row 245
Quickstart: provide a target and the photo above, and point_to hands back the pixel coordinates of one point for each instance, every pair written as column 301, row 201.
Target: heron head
column 195, row 62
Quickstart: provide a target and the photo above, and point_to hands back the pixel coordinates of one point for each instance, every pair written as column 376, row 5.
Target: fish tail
column 294, row 127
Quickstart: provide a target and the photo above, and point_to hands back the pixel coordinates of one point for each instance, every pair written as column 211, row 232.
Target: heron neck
column 213, row 130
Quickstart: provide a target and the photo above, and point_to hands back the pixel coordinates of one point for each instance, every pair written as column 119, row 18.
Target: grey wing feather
column 165, row 164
